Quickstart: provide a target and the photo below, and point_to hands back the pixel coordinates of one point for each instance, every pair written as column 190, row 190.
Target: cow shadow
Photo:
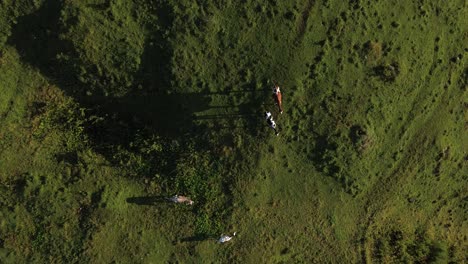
column 198, row 238
column 147, row 200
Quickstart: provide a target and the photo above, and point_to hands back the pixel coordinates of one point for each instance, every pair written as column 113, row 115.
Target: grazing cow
column 180, row 199
column 278, row 98
column 226, row 238
column 271, row 123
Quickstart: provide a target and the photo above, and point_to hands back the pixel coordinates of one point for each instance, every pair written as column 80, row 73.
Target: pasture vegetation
column 108, row 106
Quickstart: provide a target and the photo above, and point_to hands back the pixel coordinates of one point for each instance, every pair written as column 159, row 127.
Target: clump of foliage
column 54, row 112
column 398, row 247
column 388, row 72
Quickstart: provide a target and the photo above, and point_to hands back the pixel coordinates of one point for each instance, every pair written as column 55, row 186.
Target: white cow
column 271, row 123
column 226, row 238
column 180, row 199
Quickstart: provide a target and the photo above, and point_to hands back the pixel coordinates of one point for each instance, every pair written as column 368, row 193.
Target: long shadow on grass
column 197, row 238
column 147, row 200
column 145, row 117
column 36, row 37
column 148, row 104
column 252, row 105
column 226, row 116
column 236, row 92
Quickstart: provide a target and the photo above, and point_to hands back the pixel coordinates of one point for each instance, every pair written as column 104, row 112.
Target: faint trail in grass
column 302, row 23
column 387, row 186
column 8, row 109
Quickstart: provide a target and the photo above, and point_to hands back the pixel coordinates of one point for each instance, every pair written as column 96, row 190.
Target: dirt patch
column 373, row 51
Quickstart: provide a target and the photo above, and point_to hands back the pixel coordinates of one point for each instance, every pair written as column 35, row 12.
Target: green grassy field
column 107, row 107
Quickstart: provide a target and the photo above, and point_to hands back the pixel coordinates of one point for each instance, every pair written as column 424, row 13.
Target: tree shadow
column 148, row 104
column 168, row 115
column 36, row 37
column 68, row 157
column 151, row 109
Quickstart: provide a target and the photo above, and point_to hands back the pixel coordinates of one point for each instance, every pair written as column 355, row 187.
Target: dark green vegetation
column 107, row 107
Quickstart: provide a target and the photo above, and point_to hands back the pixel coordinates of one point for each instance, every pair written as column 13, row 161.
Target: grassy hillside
column 109, row 107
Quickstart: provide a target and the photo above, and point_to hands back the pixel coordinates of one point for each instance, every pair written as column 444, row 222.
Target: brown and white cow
column 278, row 97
